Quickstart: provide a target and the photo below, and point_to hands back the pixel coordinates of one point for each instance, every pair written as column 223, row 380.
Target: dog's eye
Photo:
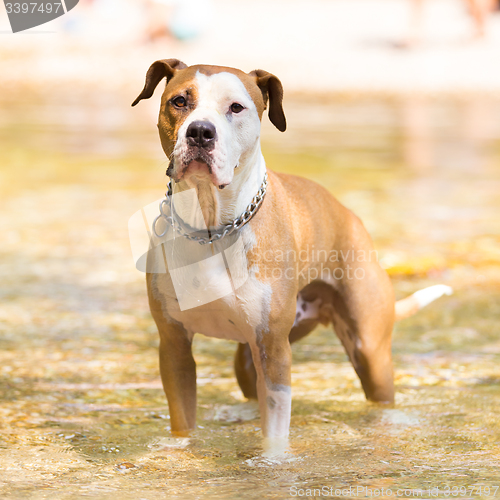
column 236, row 108
column 179, row 102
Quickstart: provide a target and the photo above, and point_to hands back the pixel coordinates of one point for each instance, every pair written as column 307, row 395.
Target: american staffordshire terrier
column 308, row 259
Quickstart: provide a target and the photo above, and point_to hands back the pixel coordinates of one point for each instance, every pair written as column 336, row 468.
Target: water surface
column 83, row 412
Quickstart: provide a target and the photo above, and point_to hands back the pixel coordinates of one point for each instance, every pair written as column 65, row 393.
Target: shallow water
column 83, row 412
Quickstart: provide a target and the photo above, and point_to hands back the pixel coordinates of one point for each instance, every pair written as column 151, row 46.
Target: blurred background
column 393, row 105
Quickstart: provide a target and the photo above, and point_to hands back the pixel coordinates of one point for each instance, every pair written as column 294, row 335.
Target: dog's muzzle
column 199, row 145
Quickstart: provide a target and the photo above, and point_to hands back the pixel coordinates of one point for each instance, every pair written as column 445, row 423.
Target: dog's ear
column 165, row 68
column 271, row 88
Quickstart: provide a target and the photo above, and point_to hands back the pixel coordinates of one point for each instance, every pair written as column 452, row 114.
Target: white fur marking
column 307, row 310
column 431, row 293
column 278, row 413
column 237, row 133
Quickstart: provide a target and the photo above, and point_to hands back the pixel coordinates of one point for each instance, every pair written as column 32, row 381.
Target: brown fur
column 297, row 214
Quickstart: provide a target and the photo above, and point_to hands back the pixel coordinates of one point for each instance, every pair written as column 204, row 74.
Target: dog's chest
column 214, row 293
column 236, row 316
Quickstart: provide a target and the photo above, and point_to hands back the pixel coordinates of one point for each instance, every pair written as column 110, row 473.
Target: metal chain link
column 230, row 228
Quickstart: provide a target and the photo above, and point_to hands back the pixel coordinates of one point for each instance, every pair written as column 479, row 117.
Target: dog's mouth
column 196, row 165
column 193, row 161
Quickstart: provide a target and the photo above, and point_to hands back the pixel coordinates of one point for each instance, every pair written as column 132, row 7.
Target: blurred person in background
column 179, row 19
column 157, row 13
column 478, row 10
column 79, row 17
column 109, row 21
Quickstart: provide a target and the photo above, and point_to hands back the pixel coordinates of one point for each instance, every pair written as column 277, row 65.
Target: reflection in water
column 431, row 141
column 82, row 408
column 479, row 129
column 417, row 131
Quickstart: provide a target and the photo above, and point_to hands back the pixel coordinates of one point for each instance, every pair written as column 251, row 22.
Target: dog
column 305, row 258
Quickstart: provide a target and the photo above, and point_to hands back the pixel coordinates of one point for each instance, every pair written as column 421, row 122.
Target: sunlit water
column 83, row 412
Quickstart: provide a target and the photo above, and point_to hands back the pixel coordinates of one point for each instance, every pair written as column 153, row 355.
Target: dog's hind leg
column 363, row 325
column 369, row 349
column 245, row 371
column 363, row 317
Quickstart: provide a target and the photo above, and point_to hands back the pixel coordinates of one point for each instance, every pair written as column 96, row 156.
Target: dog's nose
column 201, row 134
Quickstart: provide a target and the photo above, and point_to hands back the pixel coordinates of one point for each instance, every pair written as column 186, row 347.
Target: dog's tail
column 410, row 305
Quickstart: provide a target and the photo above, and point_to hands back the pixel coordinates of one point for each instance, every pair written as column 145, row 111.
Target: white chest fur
column 210, row 289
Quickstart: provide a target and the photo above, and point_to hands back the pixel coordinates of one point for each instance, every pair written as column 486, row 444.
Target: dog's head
column 210, row 116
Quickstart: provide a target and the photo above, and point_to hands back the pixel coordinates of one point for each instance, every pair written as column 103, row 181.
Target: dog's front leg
column 272, row 358
column 178, row 375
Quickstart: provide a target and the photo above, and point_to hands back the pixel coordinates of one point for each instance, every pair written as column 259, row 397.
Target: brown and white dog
column 209, row 125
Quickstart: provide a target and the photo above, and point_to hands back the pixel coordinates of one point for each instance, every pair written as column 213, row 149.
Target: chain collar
column 194, row 235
